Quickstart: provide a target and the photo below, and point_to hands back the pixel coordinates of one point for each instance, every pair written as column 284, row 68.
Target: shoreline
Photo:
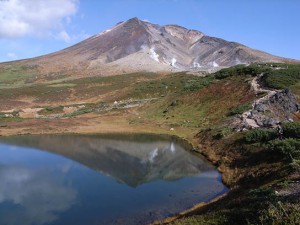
column 189, row 211
column 132, row 129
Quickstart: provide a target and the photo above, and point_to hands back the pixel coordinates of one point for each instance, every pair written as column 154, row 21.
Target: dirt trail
column 246, row 119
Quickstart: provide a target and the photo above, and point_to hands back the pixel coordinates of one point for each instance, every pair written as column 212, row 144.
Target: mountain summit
column 137, row 45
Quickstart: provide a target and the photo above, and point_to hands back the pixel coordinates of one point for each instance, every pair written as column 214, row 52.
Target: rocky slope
column 136, row 45
column 276, row 106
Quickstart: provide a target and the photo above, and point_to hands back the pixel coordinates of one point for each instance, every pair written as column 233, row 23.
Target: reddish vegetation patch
column 297, row 117
column 217, row 99
column 6, row 104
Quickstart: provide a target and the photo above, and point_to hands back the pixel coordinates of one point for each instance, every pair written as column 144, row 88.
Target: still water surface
column 71, row 179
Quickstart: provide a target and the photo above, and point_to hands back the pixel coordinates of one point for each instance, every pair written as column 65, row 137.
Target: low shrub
column 291, row 130
column 2, row 116
column 197, row 83
column 288, row 147
column 295, row 164
column 207, row 218
column 79, row 112
column 222, row 133
column 240, row 109
column 281, row 213
column 282, row 78
column 51, row 110
column 253, row 70
column 262, row 195
column 260, row 135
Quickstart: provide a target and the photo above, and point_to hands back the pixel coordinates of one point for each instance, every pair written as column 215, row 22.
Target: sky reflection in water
column 99, row 180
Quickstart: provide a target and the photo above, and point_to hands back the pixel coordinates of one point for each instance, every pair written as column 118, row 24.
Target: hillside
column 203, row 110
column 135, row 46
column 100, row 86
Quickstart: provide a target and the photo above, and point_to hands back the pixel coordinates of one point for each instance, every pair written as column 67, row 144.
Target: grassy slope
column 199, row 109
column 254, row 172
column 15, row 76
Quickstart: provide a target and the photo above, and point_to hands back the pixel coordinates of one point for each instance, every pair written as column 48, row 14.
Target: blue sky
column 30, row 28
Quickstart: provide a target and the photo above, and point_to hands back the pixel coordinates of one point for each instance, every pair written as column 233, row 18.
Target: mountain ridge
column 135, row 45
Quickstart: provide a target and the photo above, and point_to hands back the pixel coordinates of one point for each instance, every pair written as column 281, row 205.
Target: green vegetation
column 223, row 133
column 79, row 112
column 13, row 114
column 197, row 83
column 262, row 194
column 288, row 148
column 15, row 75
column 280, row 213
column 203, row 108
column 295, row 165
column 2, row 115
column 284, row 76
column 188, row 104
column 80, row 89
column 275, row 75
column 63, row 85
column 240, row 109
column 10, row 119
column 257, row 207
column 51, row 110
column 242, row 70
column 247, row 210
column 292, row 130
column 267, row 160
column 260, row 135
column 171, row 84
column 209, row 218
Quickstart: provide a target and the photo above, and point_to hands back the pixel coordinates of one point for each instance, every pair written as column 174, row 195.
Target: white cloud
column 39, row 196
column 20, row 18
column 81, row 36
column 12, row 55
column 66, row 37
column 63, row 35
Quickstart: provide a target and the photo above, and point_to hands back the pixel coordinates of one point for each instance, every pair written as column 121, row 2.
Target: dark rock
column 270, row 110
column 174, row 103
column 253, row 113
column 260, row 108
column 269, row 122
column 286, row 101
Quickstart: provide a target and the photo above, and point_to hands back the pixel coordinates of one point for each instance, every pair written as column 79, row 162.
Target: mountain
column 136, row 45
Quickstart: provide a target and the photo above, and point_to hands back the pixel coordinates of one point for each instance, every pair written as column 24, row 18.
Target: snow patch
column 108, row 30
column 154, row 55
column 196, row 65
column 215, row 64
column 170, row 32
column 144, row 47
column 153, row 154
column 103, row 32
column 238, row 61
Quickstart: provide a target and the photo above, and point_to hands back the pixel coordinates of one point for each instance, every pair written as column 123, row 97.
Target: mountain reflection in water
column 128, row 161
column 156, row 177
